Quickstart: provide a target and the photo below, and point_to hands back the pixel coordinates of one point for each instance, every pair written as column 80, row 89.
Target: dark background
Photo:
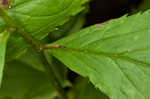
column 102, row 10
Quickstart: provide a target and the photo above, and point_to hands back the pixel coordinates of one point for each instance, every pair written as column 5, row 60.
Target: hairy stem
column 12, row 24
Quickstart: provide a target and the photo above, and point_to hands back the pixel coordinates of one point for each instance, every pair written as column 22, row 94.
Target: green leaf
column 23, row 82
column 38, row 18
column 16, row 47
column 72, row 26
column 60, row 70
column 31, row 58
column 3, row 43
column 115, row 57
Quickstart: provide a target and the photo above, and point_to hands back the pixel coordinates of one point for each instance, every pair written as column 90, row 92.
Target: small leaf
column 59, row 69
column 21, row 81
column 16, row 47
column 3, row 43
column 31, row 58
column 115, row 57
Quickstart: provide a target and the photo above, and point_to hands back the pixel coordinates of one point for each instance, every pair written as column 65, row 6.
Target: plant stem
column 12, row 24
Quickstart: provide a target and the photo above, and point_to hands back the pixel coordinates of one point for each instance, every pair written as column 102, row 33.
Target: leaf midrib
column 106, row 54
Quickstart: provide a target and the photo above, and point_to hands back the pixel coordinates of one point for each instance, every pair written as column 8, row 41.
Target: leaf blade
column 107, row 56
column 20, row 82
column 3, row 43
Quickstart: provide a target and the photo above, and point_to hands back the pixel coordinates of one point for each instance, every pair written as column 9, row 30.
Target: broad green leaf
column 38, row 18
column 115, row 57
column 3, row 43
column 23, row 82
